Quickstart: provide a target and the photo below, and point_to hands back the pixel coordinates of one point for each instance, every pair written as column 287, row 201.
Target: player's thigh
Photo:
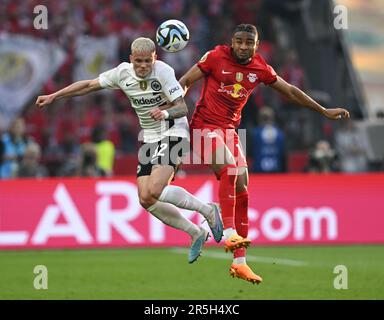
column 160, row 177
column 218, row 154
column 221, row 158
column 144, row 194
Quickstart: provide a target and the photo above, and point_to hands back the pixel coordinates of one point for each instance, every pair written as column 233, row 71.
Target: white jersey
column 147, row 93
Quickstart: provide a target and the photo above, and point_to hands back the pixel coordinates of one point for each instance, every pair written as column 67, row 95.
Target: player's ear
column 257, row 44
column 130, row 58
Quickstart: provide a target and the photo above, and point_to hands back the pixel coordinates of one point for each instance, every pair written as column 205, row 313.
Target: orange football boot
column 236, row 242
column 244, row 272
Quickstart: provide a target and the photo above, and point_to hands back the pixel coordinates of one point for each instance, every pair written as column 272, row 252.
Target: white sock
column 229, row 232
column 181, row 198
column 239, row 260
column 169, row 215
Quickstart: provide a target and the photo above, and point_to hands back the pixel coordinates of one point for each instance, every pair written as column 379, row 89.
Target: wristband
column 165, row 113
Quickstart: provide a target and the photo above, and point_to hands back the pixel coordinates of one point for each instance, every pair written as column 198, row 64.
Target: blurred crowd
column 83, row 136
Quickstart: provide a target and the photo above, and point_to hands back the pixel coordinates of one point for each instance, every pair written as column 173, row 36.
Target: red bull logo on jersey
column 236, row 90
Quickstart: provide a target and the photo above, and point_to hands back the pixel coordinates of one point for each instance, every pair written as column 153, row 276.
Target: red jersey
column 227, row 87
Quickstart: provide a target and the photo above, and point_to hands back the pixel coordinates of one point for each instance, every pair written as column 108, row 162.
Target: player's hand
column 44, row 100
column 156, row 114
column 336, row 114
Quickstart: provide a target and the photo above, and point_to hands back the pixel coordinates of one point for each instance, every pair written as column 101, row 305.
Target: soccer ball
column 172, row 35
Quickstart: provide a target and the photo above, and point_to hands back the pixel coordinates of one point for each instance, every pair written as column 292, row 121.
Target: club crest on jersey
column 239, row 76
column 143, row 85
column 252, row 77
column 155, row 85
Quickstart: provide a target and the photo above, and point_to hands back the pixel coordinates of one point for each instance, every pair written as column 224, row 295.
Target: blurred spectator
column 292, row 71
column 14, row 144
column 322, row 158
column 350, row 146
column 69, row 155
column 30, row 166
column 105, row 150
column 292, row 117
column 268, row 145
column 89, row 159
column 2, row 149
column 380, row 114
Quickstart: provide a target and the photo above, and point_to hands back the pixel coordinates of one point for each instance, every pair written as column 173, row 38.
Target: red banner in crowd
column 283, row 209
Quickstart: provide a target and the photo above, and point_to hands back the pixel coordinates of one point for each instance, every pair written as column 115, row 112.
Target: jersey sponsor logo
column 252, row 77
column 155, row 85
column 236, row 90
column 171, row 91
column 143, row 101
column 143, row 85
column 225, row 72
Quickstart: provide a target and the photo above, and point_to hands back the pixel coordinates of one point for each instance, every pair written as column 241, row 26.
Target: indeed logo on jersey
column 143, row 101
column 236, row 90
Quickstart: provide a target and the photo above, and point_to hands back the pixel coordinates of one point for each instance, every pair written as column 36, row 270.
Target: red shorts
column 206, row 141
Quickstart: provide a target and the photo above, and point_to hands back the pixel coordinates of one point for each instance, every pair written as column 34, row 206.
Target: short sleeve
column 207, row 62
column 171, row 87
column 269, row 75
column 110, row 79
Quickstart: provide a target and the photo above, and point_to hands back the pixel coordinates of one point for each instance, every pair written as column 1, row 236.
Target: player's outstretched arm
column 78, row 88
column 177, row 109
column 190, row 77
column 299, row 97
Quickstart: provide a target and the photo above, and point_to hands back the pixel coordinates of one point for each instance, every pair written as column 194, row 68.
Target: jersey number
column 159, row 152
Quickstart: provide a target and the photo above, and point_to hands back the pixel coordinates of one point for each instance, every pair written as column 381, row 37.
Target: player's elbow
column 93, row 85
column 183, row 83
column 181, row 110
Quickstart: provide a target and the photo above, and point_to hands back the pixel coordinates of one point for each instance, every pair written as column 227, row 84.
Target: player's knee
column 155, row 190
column 241, row 187
column 146, row 200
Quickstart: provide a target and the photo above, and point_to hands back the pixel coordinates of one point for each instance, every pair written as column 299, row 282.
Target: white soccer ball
column 172, row 35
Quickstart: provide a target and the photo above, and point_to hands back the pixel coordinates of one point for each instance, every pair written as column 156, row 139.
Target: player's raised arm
column 177, row 109
column 78, row 88
column 297, row 96
column 190, row 77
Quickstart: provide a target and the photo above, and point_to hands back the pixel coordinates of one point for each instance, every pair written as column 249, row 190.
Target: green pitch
column 288, row 273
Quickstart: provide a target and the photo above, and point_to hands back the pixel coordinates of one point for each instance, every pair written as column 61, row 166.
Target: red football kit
column 226, row 89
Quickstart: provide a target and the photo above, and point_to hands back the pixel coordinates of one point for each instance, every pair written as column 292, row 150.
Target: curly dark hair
column 245, row 27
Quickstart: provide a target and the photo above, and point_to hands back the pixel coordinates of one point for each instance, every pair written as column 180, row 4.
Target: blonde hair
column 143, row 45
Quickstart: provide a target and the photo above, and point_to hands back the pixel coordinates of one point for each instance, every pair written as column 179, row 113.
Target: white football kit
column 147, row 93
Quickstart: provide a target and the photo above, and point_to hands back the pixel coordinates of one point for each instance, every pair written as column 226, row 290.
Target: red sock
column 227, row 195
column 241, row 220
